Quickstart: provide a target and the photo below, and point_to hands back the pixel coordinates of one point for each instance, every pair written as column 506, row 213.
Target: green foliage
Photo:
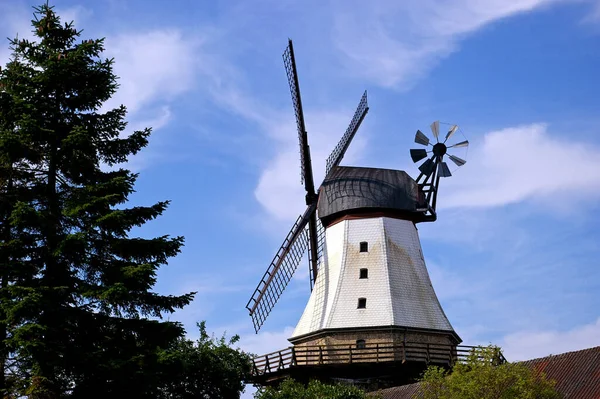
column 206, row 368
column 78, row 316
column 482, row 376
column 290, row 389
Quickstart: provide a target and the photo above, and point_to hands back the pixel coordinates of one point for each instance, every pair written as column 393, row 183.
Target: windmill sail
column 306, row 173
column 292, row 74
column 280, row 271
column 340, row 149
column 319, row 252
column 307, row 232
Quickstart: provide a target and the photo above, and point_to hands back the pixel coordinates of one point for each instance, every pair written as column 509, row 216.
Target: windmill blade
column 443, row 170
column 420, row 138
column 338, row 152
column 320, row 242
column 450, row 132
column 435, row 129
column 458, row 161
column 418, row 154
column 313, row 246
column 461, row 144
column 427, row 167
column 292, row 74
column 281, row 270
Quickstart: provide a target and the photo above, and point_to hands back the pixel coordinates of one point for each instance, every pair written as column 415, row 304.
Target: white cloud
column 279, row 189
column 162, row 117
column 594, row 14
column 77, row 14
column 533, row 344
column 393, row 43
column 525, row 163
column 266, row 341
column 507, row 166
column 447, row 284
column 152, row 66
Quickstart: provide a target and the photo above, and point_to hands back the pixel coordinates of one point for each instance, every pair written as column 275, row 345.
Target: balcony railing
column 300, row 356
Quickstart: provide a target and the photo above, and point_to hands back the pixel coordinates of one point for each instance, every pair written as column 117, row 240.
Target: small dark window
column 360, row 344
column 364, row 273
column 364, row 246
column 362, row 303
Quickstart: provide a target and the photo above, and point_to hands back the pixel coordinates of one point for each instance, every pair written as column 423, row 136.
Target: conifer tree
column 78, row 314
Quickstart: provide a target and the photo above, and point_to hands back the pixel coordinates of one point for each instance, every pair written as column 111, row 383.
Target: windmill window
column 362, row 303
column 364, row 273
column 364, row 246
column 361, row 344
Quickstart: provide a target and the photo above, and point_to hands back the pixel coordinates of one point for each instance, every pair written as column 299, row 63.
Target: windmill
column 370, row 288
column 307, row 231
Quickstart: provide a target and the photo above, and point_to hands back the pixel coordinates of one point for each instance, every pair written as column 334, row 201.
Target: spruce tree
column 78, row 314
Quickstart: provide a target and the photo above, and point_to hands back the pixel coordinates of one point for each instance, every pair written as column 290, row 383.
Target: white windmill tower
column 372, row 308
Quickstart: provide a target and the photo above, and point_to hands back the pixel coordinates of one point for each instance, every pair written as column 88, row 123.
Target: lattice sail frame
column 338, row 152
column 279, row 272
column 292, row 76
column 320, row 246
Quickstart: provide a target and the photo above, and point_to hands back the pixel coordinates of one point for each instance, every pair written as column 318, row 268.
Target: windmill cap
column 358, row 190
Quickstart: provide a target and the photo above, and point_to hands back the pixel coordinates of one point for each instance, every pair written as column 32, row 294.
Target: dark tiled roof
column 401, row 392
column 577, row 375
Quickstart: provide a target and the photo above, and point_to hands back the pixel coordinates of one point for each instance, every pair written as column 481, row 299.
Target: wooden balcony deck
column 296, row 357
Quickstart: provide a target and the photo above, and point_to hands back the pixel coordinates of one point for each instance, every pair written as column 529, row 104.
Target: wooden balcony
column 303, row 358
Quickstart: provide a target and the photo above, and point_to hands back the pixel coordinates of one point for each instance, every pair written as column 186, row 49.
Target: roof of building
column 408, row 391
column 352, row 188
column 577, row 375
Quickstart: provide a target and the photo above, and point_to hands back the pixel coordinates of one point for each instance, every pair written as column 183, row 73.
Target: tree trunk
column 4, row 275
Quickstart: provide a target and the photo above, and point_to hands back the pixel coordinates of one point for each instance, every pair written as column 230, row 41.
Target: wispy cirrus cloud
column 594, row 15
column 394, row 44
column 279, row 190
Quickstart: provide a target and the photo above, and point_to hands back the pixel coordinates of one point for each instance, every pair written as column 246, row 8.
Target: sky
column 513, row 256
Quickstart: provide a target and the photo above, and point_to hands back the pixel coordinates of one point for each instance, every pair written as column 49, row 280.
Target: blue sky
column 514, row 254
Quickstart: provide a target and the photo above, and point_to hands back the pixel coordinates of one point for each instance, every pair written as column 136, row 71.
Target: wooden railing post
column 377, row 350
column 350, row 354
column 320, row 354
column 267, row 364
column 294, row 360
